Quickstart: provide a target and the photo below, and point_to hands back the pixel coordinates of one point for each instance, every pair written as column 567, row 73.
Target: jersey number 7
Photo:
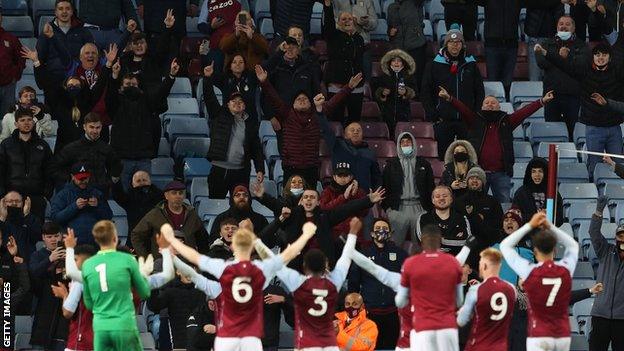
column 556, row 284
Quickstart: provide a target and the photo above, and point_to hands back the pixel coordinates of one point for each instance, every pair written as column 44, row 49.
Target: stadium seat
column 580, row 212
column 579, row 343
column 42, row 8
column 199, row 188
column 196, row 168
column 519, row 169
column 518, row 134
column 438, row 168
column 182, row 106
column 14, row 8
column 191, row 147
column 525, row 91
column 181, row 88
column 582, row 283
column 574, row 327
column 495, row 89
column 317, row 10
column 262, row 9
column 164, row 149
column 572, row 173
column 22, row 342
column 189, row 47
column 522, row 151
column 323, row 149
column 584, row 270
column 278, row 172
column 582, row 308
column 271, row 152
column 427, row 28
column 263, row 210
column 266, row 132
column 619, row 213
column 383, row 148
column 147, row 340
column 326, row 170
column 51, row 141
column 381, row 31
column 547, row 132
column 370, row 110
column 266, row 29
column 440, row 30
column 420, row 130
column 507, row 107
column 23, row 324
column 615, row 192
column 162, row 171
column 316, row 26
column 436, row 11
column 336, row 127
column 603, row 174
column 212, row 207
column 191, row 27
column 375, row 130
column 578, row 192
column 188, row 127
column 579, row 134
column 564, row 156
column 141, row 323
column 427, row 148
column 417, row 111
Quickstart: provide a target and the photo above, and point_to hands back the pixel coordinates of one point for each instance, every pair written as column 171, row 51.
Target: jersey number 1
column 101, row 269
column 556, row 284
column 319, row 300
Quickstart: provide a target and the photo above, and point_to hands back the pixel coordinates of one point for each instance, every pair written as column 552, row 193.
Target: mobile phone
column 242, row 18
column 60, row 244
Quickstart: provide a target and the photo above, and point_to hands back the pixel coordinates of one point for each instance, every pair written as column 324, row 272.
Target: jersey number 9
column 498, row 303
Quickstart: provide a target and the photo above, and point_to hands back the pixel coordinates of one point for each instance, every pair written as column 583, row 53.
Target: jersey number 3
column 241, row 290
column 320, row 294
column 101, row 269
column 556, row 284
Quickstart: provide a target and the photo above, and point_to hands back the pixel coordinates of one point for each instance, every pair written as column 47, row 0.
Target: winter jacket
column 59, row 51
column 363, row 160
column 276, row 204
column 377, row 295
column 289, row 13
column 196, row 338
column 65, row 212
column 554, row 78
column 26, row 230
column 393, row 177
column 220, row 249
column 247, row 85
column 525, row 200
column 359, row 335
column 273, row 314
column 448, row 176
column 542, row 22
column 11, row 61
column 609, row 83
column 408, row 17
column 144, row 233
column 151, row 69
column 221, row 122
column 136, row 126
column 501, row 25
column 396, row 107
column 99, row 157
column 154, row 11
column 253, row 50
column 344, row 50
column 258, row 220
column 106, row 14
column 610, row 303
column 332, row 197
column 224, row 9
column 25, row 165
column 136, row 201
column 301, row 130
column 359, row 8
column 17, row 275
column 43, row 124
column 455, row 229
column 289, row 80
column 466, row 84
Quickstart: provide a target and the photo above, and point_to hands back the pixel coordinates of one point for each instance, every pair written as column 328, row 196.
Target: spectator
column 79, row 204
column 133, row 109
column 602, row 125
column 138, row 200
column 405, row 29
column 245, row 41
column 606, row 16
column 47, row 268
column 179, row 215
column 27, row 100
column 14, row 271
column 238, row 78
column 99, row 157
column 408, row 180
column 62, row 39
column 454, row 226
column 101, row 18
column 222, row 247
column 457, row 72
column 152, row 10
column 459, row 158
column 289, row 13
column 343, row 189
column 541, row 23
column 585, row 293
column 512, row 221
column 11, row 65
column 396, row 87
column 201, row 328
column 24, row 163
column 491, row 133
column 530, row 198
column 301, row 128
column 352, row 149
column 354, row 330
column 566, row 104
column 588, row 21
column 17, row 221
column 216, row 20
column 608, row 310
column 308, row 53
column 345, row 50
column 379, row 300
column 234, row 141
column 462, row 12
column 240, row 209
column 276, row 302
column 291, row 194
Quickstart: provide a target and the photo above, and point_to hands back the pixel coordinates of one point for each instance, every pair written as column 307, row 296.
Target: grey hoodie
column 408, row 163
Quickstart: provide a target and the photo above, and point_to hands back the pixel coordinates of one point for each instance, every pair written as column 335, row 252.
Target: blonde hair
column 492, row 255
column 104, row 232
column 243, row 239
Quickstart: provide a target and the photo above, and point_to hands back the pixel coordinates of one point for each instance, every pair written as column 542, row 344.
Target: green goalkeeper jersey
column 108, row 280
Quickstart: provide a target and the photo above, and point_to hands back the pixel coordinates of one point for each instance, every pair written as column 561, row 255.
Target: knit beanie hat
column 454, row 33
column 514, row 214
column 477, row 172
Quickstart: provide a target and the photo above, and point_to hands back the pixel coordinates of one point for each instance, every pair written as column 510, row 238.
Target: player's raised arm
column 521, row 266
column 209, row 287
column 385, row 277
column 263, row 251
column 465, row 312
column 71, row 268
column 158, row 280
column 339, row 274
column 295, row 248
column 470, row 244
column 402, row 296
column 291, row 278
column 570, row 255
column 211, row 265
column 139, row 282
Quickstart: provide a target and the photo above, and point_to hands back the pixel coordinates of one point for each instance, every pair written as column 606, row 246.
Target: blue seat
column 188, row 127
column 262, row 9
column 271, row 152
column 381, row 31
column 42, row 8
column 315, row 26
column 574, row 327
column 266, row 28
column 196, row 168
column 440, row 30
column 518, row 134
column 547, row 132
column 162, row 171
column 181, row 88
column 51, row 141
column 23, row 324
column 147, row 340
column 199, row 188
column 603, row 174
column 579, row 134
column 266, row 132
column 580, row 212
column 615, row 192
column 519, row 169
column 262, row 210
column 495, row 89
column 164, row 148
column 182, row 106
column 522, row 151
column 607, row 229
column 579, row 343
column 278, row 172
column 191, row 28
column 317, row 10
column 427, row 27
column 564, row 155
column 582, row 283
column 436, row 11
column 572, row 173
column 14, row 8
column 507, row 107
column 578, row 192
column 525, row 91
column 212, row 207
column 191, row 147
column 619, row 213
column 584, row 270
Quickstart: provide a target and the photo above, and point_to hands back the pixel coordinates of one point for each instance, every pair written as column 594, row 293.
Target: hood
column 398, row 146
column 408, row 61
column 472, row 153
column 536, row 162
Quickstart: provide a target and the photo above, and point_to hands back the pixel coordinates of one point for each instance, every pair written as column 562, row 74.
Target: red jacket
column 332, row 198
column 11, row 62
column 80, row 335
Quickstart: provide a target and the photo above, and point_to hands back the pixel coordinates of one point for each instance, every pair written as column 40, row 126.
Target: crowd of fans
column 106, row 89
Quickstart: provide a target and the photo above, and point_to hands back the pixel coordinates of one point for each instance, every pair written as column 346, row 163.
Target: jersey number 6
column 241, row 284
column 319, row 300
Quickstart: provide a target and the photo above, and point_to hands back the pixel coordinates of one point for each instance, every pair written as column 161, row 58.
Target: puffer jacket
column 332, row 197
column 448, row 176
column 501, row 26
column 344, row 50
column 396, row 107
column 556, row 79
column 24, row 165
column 359, row 335
column 542, row 22
column 408, row 17
column 524, row 198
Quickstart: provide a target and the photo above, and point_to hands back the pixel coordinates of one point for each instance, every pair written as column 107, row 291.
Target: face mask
column 73, row 92
column 352, row 312
column 460, row 156
column 564, row 35
column 143, row 189
column 132, row 93
column 407, row 150
column 296, row 191
column 381, row 235
column 620, row 245
column 15, row 214
column 491, row 116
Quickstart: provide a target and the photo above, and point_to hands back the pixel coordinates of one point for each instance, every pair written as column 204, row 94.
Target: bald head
column 354, row 300
column 141, row 178
column 353, row 133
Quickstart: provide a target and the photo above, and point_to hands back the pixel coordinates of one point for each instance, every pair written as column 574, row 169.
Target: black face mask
column 338, row 187
column 132, row 93
column 460, row 156
column 73, row 92
column 144, row 189
column 15, row 214
column 491, row 116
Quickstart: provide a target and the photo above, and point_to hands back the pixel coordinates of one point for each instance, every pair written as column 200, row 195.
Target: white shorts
column 434, row 340
column 328, row 348
column 400, row 349
column 248, row 343
column 548, row 344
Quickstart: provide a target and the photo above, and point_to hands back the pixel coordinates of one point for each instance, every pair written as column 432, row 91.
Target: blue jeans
column 535, row 73
column 500, row 183
column 130, row 167
column 103, row 38
column 602, row 139
column 500, row 63
column 7, row 97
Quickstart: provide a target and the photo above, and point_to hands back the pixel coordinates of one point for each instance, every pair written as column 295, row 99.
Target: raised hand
column 146, row 265
column 217, row 22
column 175, row 67
column 48, row 31
column 608, row 160
column 596, row 289
column 161, row 241
column 319, row 101
column 355, row 80
column 116, row 69
column 248, row 30
column 27, row 53
column 540, row 50
column 167, row 231
column 204, row 47
column 93, row 201
column 27, row 206
column 259, row 177
column 355, row 225
column 209, row 70
column 548, row 97
column 132, row 25
column 70, row 239
column 309, row 229
column 12, row 246
column 347, row 192
column 285, row 214
column 538, row 220
column 169, row 19
column 257, row 189
column 443, row 94
column 57, row 254
column 60, row 290
column 599, row 99
column 111, row 54
column 601, row 203
column 246, row 224
column 261, row 74
column 564, row 52
column 377, row 195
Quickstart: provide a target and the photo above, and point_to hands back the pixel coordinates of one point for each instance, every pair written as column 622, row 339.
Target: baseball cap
column 342, row 169
column 80, row 171
column 234, row 95
column 291, row 41
column 174, row 185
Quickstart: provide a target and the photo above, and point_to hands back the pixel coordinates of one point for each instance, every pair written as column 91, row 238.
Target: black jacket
column 501, row 26
column 27, row 232
column 345, row 52
column 276, row 204
column 136, row 125
column 396, row 108
column 137, row 202
column 97, row 155
column 554, row 78
column 477, row 133
column 246, row 85
column 273, row 314
column 466, row 85
column 542, row 22
column 17, row 275
column 24, row 165
column 221, row 121
column 258, row 220
column 289, row 13
column 107, row 14
column 151, row 68
column 288, row 80
column 525, row 197
column 393, row 183
column 448, row 177
column 196, row 338
column 455, row 229
column 220, row 249
column 154, row 11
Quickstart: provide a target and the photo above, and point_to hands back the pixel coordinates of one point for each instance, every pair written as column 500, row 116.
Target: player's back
column 315, row 303
column 548, row 289
column 493, row 312
column 432, row 278
column 109, row 277
column 241, row 301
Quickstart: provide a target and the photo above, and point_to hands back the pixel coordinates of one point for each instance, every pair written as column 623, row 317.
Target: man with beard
column 222, row 247
column 454, row 227
column 491, row 134
column 16, row 221
column 240, row 209
column 530, row 198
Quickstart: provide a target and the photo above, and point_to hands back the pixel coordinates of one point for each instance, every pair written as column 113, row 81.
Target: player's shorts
column 248, row 343
column 118, row 340
column 548, row 344
column 328, row 348
column 434, row 340
column 401, row 349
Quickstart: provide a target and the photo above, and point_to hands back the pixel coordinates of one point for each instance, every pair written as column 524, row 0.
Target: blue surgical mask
column 564, row 35
column 407, row 150
column 296, row 191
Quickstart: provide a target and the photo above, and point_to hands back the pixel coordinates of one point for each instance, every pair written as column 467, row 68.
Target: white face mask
column 296, row 191
column 407, row 150
column 564, row 35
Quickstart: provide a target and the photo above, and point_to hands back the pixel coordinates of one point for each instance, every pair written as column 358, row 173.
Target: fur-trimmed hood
column 408, row 62
column 448, row 156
